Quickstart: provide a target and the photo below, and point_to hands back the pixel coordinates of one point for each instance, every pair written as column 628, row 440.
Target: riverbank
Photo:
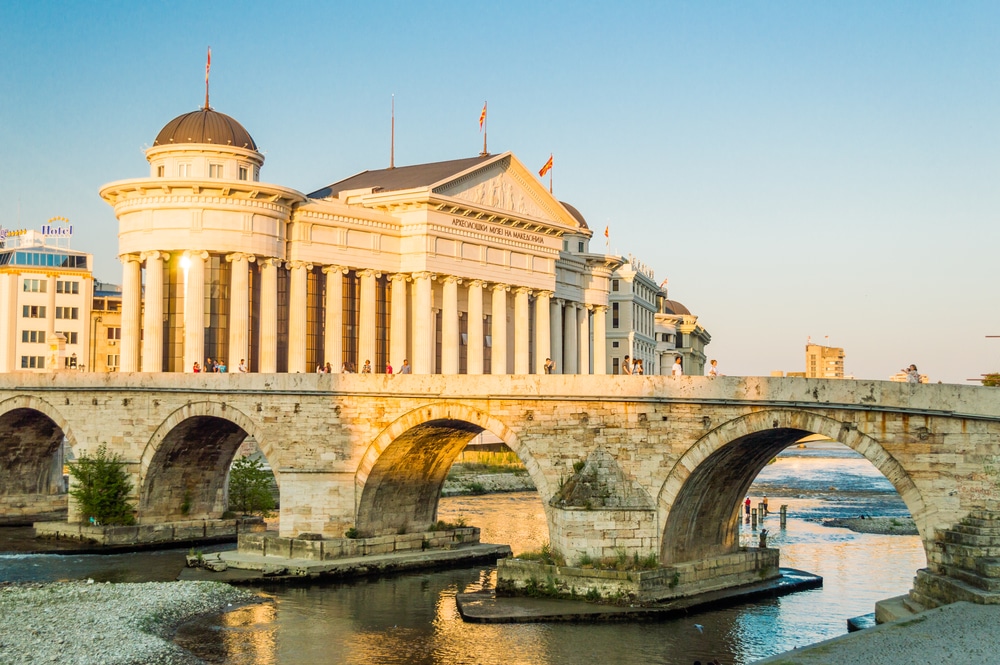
column 885, row 526
column 465, row 483
column 114, row 624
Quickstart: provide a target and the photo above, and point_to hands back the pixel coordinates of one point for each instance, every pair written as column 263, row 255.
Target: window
column 68, row 287
column 33, row 311
column 159, row 171
column 184, row 170
column 614, row 315
column 614, row 366
column 113, row 361
column 256, row 173
column 32, row 362
column 33, row 336
column 36, row 285
column 114, row 333
column 215, row 170
column 71, row 361
column 614, row 345
column 614, row 285
column 67, row 312
column 244, row 173
column 579, row 247
column 565, row 245
column 71, row 337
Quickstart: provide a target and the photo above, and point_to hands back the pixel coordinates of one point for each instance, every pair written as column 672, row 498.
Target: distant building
column 45, row 292
column 824, row 362
column 631, row 317
column 106, row 328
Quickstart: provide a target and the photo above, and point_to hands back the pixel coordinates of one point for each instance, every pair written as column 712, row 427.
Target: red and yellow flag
column 545, row 169
column 482, row 117
column 606, row 228
column 208, row 63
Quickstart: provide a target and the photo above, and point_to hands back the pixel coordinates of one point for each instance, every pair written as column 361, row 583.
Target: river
column 413, row 619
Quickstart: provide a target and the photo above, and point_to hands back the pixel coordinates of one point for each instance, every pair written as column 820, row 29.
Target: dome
column 674, row 307
column 205, row 126
column 576, row 214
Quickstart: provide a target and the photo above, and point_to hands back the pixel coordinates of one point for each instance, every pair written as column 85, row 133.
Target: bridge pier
column 320, row 503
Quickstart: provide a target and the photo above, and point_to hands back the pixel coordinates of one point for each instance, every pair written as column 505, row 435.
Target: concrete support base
column 192, row 531
column 25, row 509
column 966, row 565
column 520, row 577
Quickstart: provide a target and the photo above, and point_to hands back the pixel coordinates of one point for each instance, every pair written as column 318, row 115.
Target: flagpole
column 486, row 122
column 208, row 66
column 392, row 138
column 550, row 174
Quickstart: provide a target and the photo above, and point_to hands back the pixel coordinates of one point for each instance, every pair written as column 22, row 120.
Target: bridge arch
column 185, row 463
column 398, row 483
column 31, row 432
column 700, row 500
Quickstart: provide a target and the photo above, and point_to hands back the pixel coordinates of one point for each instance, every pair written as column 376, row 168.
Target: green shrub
column 250, row 488
column 102, row 488
column 992, row 380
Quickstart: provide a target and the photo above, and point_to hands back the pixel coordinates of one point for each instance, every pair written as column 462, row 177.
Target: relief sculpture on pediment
column 503, row 193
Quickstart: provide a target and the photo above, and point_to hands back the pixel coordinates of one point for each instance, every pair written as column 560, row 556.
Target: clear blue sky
column 794, row 168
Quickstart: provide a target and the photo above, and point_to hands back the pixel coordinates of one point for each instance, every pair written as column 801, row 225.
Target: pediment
column 502, row 186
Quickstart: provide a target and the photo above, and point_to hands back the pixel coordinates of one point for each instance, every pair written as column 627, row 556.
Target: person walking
column 627, row 366
column 405, row 369
column 677, row 369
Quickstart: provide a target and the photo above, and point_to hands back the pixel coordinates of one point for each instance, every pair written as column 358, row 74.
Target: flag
column 606, row 228
column 545, row 169
column 482, row 117
column 208, row 63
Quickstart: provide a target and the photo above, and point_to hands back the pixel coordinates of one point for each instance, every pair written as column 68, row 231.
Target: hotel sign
column 498, row 230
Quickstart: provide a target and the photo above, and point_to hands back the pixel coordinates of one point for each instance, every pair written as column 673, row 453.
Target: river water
column 413, row 619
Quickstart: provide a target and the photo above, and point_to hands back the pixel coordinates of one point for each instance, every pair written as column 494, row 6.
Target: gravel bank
column 486, row 483
column 77, row 623
column 888, row 526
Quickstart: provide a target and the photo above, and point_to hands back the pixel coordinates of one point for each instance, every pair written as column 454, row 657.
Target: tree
column 250, row 487
column 102, row 488
column 992, row 379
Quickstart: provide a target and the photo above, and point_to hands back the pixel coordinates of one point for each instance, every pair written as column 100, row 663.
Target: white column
column 267, row 357
column 333, row 342
column 397, row 321
column 239, row 308
column 543, row 336
column 422, row 324
column 367, row 310
column 556, row 335
column 522, row 356
column 600, row 339
column 194, row 310
column 571, row 329
column 584, row 322
column 152, row 313
column 449, row 325
column 131, row 308
column 498, row 329
column 297, row 306
column 474, row 351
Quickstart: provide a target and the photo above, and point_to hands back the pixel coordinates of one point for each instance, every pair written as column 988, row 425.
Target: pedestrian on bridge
column 678, row 369
column 627, row 366
column 912, row 375
column 713, row 368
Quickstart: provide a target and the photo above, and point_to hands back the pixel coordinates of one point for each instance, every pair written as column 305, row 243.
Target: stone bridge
column 643, row 463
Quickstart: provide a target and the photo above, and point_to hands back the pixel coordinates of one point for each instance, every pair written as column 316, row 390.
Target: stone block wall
column 516, row 576
column 325, row 549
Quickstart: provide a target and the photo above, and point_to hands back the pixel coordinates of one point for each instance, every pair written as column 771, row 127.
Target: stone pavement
column 956, row 634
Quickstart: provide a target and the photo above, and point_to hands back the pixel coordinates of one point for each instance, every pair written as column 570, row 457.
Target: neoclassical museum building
column 464, row 266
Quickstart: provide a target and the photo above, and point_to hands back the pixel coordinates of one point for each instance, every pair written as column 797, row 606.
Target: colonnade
column 562, row 328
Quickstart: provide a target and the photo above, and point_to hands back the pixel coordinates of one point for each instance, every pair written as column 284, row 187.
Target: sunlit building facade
column 45, row 291
column 465, row 266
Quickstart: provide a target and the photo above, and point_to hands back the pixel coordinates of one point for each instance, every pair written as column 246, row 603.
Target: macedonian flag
column 545, row 169
column 482, row 117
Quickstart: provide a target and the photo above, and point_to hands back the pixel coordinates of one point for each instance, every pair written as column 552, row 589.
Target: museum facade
column 466, row 266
